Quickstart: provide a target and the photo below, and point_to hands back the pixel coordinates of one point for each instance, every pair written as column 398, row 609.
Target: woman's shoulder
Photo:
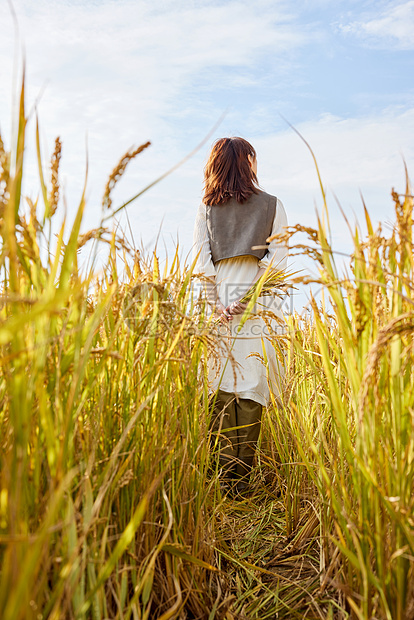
column 262, row 196
column 266, row 195
column 201, row 209
column 273, row 202
column 271, row 198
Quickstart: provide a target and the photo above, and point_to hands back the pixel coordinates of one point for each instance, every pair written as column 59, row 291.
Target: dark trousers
column 236, row 427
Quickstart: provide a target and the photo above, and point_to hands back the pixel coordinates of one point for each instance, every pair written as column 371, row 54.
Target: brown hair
column 228, row 173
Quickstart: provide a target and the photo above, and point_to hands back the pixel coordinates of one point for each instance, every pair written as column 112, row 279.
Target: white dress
column 243, row 372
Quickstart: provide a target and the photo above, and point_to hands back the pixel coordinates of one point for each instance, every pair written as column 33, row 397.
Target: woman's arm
column 203, row 260
column 237, row 307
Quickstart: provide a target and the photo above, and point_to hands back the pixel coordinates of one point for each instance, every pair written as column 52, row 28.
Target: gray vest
column 234, row 228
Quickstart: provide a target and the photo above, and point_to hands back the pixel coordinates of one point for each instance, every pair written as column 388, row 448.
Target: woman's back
column 236, row 229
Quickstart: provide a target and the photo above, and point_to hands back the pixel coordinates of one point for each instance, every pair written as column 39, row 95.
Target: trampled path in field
column 273, row 568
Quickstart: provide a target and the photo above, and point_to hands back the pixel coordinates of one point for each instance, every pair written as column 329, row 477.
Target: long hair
column 228, row 173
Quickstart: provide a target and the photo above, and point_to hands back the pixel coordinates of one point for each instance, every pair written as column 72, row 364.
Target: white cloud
column 392, row 28
column 355, row 156
column 124, row 72
column 156, row 50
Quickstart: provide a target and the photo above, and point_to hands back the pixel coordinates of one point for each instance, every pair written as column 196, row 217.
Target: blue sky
column 122, row 72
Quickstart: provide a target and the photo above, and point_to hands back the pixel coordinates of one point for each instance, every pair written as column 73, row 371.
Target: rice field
column 110, row 503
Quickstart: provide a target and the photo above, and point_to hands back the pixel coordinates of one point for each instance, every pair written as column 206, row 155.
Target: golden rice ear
column 53, row 198
column 118, row 171
column 4, row 175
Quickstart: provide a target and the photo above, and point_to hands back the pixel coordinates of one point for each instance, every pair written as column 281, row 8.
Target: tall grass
column 349, row 415
column 103, row 423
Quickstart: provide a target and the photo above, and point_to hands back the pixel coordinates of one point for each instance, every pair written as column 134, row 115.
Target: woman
column 231, row 228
